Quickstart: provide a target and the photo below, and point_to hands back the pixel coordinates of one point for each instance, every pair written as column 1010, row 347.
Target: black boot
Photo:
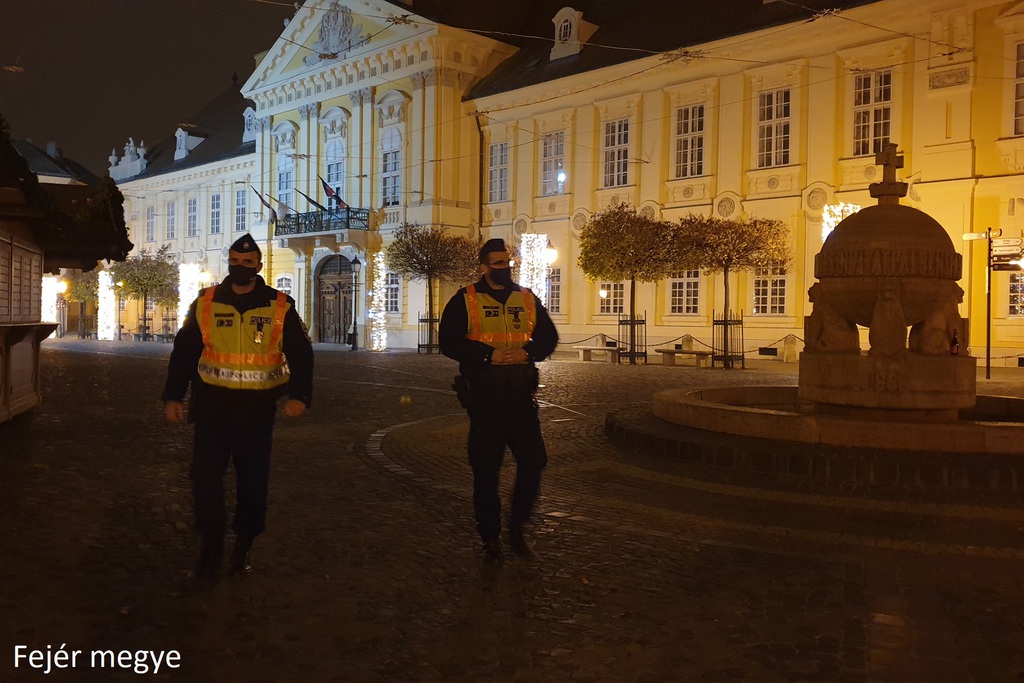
column 210, row 558
column 492, row 551
column 240, row 564
column 519, row 545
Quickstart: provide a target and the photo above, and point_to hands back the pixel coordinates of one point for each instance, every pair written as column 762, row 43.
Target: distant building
column 533, row 118
column 51, row 166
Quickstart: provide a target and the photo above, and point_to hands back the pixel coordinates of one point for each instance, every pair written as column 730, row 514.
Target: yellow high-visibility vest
column 242, row 350
column 501, row 325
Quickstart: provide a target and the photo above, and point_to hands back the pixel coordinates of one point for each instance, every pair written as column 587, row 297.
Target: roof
column 221, row 123
column 651, row 25
column 42, row 164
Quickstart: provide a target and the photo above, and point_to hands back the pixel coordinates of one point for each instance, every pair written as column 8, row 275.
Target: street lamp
column 356, row 267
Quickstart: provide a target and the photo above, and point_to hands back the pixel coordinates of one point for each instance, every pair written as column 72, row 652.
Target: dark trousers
column 491, row 428
column 245, row 440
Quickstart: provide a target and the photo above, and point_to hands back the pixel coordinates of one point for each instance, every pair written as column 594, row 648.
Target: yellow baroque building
column 494, row 124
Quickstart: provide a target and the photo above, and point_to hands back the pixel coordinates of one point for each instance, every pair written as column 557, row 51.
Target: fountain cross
column 889, row 190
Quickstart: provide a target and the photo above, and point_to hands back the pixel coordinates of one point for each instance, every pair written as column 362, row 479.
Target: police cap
column 496, row 244
column 245, row 245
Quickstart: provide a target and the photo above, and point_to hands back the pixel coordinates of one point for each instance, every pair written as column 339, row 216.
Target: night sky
column 99, row 71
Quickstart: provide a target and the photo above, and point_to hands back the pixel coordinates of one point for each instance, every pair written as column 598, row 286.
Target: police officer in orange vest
column 497, row 330
column 242, row 347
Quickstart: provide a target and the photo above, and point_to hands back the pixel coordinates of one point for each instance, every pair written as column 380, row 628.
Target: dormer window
column 570, row 32
column 186, row 141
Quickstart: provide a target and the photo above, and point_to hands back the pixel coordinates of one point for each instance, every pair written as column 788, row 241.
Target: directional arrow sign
column 1007, row 266
column 1005, row 250
column 1005, row 258
column 975, row 235
column 1007, row 242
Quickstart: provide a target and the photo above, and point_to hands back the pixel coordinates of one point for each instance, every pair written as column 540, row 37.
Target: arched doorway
column 334, row 300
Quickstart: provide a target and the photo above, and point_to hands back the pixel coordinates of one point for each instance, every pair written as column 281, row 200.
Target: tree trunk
column 430, row 315
column 632, row 321
column 144, row 331
column 726, row 360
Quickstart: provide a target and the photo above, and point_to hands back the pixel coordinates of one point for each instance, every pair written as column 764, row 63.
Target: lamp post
column 356, row 267
column 119, row 284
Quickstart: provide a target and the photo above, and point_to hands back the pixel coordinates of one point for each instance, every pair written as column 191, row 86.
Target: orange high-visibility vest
column 501, row 325
column 242, row 350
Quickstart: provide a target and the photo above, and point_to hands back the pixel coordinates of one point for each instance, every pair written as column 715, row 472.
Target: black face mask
column 241, row 275
column 501, row 276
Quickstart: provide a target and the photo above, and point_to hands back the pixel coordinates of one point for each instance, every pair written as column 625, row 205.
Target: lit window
column 284, row 284
column 497, row 173
column 150, row 223
column 1016, row 293
column 552, row 162
column 770, row 290
column 1018, row 93
column 872, row 111
column 773, row 128
column 613, row 303
column 689, row 141
column 616, row 153
column 684, row 292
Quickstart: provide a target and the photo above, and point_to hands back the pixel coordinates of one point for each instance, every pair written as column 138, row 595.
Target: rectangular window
column 684, row 292
column 192, row 218
column 241, row 199
column 1018, row 93
column 150, row 223
column 390, row 178
column 215, row 214
column 392, row 292
column 1016, row 293
column 285, row 187
column 872, row 111
column 616, row 153
column 335, row 173
column 690, row 141
column 554, row 290
column 150, row 305
column 284, row 284
column 497, row 173
column 773, row 128
column 615, row 296
column 169, row 218
column 552, row 162
column 770, row 290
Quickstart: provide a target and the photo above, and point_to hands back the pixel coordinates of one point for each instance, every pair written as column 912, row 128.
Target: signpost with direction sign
column 1005, row 254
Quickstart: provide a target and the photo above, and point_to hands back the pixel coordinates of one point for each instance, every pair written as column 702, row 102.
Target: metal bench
column 668, row 356
column 612, row 351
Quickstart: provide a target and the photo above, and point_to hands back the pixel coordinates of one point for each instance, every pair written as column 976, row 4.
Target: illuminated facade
column 406, row 115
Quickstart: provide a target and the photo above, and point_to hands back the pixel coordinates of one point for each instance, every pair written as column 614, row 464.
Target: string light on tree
column 189, row 275
column 106, row 310
column 833, row 214
column 377, row 315
column 533, row 268
column 53, row 287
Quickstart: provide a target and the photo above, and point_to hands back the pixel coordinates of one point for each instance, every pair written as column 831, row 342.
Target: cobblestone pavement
column 650, row 570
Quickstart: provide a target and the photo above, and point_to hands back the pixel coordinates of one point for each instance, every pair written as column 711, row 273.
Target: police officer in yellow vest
column 242, row 347
column 497, row 330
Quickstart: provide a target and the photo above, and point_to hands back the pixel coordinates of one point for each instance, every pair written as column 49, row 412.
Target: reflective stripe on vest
column 499, row 331
column 241, row 355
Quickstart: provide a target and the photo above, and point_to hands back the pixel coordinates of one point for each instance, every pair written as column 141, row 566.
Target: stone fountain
column 904, row 411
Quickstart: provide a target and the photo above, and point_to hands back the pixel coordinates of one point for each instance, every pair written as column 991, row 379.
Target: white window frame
column 151, row 224
column 872, row 111
column 684, row 293
column 552, row 163
column 615, row 302
column 334, row 163
column 285, row 185
column 554, row 302
column 391, row 168
column 215, row 213
column 1015, row 292
column 770, row 290
column 392, row 293
column 284, row 283
column 689, row 141
column 774, row 116
column 192, row 217
column 170, row 219
column 497, row 172
column 241, row 210
column 615, row 153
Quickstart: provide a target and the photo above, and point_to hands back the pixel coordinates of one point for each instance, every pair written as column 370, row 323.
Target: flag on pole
column 282, row 208
column 264, row 202
column 332, row 194
column 311, row 200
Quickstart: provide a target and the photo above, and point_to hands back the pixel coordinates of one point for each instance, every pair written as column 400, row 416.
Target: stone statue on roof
column 338, row 34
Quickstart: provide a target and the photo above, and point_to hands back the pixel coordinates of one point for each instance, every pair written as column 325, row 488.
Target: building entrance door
column 334, row 300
